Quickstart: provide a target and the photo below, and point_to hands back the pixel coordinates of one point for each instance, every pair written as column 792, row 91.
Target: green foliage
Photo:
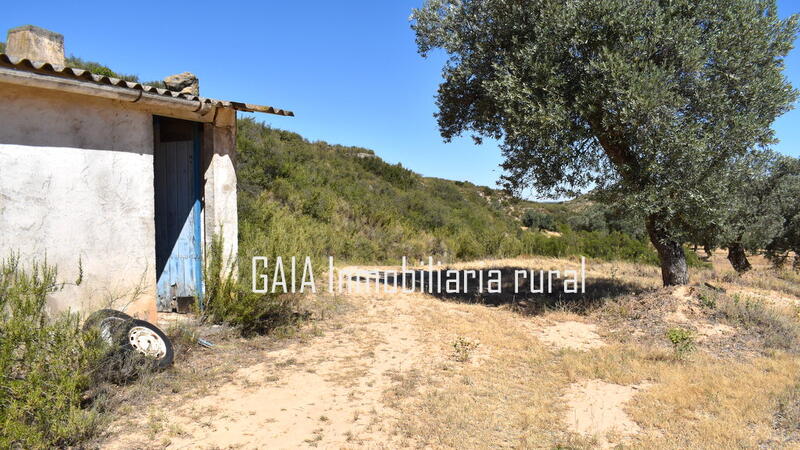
column 463, row 348
column 614, row 246
column 600, row 217
column 708, row 299
column 2, row 47
column 538, row 220
column 595, row 244
column 752, row 218
column 98, row 69
column 303, row 198
column 590, row 92
column 783, row 199
column 591, row 218
column 233, row 303
column 682, row 341
column 101, row 69
column 45, row 364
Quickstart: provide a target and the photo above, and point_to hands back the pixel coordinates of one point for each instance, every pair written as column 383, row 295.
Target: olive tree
column 785, row 199
column 646, row 100
column 751, row 216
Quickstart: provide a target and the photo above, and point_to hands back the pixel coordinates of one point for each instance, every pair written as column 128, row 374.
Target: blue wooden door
column 178, row 211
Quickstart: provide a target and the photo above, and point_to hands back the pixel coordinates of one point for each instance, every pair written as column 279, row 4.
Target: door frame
column 197, row 212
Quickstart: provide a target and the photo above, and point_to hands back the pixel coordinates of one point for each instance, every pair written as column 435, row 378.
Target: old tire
column 143, row 337
column 94, row 319
column 108, row 323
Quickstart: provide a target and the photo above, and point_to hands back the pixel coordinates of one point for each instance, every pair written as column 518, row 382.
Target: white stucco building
column 127, row 182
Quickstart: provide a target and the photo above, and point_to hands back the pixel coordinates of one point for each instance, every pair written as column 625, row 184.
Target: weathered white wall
column 221, row 216
column 76, row 182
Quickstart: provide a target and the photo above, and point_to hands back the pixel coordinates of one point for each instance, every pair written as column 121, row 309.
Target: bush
column 463, row 348
column 98, row 69
column 314, row 199
column 682, row 341
column 613, row 246
column 233, row 303
column 45, row 363
column 538, row 220
column 591, row 218
column 592, row 244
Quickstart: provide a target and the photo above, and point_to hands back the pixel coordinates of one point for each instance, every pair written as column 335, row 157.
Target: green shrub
column 45, row 363
column 314, row 199
column 592, row 244
column 466, row 246
column 232, row 302
column 589, row 219
column 692, row 260
column 538, row 220
column 708, row 299
column 98, row 69
column 682, row 341
column 613, row 246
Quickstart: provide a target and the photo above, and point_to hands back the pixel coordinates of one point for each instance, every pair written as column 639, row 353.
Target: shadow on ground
column 525, row 290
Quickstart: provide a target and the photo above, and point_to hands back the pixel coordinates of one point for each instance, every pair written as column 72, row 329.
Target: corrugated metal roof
column 84, row 75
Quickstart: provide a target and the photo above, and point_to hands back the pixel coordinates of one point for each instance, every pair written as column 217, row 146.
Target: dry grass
column 513, row 398
column 739, row 390
column 787, row 413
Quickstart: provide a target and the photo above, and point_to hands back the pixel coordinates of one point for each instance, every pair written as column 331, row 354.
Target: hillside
column 313, row 198
column 320, row 199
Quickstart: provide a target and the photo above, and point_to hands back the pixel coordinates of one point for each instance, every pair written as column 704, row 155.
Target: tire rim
column 147, row 341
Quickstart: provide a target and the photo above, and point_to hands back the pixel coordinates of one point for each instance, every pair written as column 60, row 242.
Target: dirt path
column 326, row 392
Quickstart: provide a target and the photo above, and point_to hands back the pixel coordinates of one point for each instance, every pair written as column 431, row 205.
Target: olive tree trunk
column 674, row 271
column 738, row 258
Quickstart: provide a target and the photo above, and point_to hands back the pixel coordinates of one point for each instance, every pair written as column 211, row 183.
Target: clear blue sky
column 349, row 69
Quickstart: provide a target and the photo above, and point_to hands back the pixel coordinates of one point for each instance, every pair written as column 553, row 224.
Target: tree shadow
column 532, row 293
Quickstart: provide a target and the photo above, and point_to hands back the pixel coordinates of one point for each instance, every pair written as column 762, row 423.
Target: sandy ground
column 597, row 408
column 567, row 334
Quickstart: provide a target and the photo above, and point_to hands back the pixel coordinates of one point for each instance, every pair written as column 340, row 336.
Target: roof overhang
column 78, row 81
